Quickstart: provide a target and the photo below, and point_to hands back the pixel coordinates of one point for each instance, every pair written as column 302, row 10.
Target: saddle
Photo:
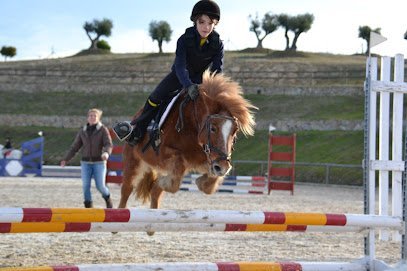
column 153, row 129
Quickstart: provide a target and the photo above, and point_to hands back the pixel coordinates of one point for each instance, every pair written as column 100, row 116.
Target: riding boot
column 88, row 204
column 109, row 203
column 141, row 123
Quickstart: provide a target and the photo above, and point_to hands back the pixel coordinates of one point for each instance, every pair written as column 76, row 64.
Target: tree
column 160, row 31
column 99, row 28
column 104, row 45
column 364, row 33
column 268, row 25
column 297, row 24
column 8, row 51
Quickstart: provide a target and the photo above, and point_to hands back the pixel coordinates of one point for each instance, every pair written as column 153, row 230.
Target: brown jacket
column 92, row 146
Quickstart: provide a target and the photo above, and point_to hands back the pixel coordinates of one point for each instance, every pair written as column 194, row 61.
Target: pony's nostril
column 217, row 168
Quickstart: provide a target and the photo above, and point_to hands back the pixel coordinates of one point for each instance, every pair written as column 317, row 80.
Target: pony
column 203, row 144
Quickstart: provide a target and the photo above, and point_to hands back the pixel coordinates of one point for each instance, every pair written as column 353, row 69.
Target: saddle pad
column 167, row 110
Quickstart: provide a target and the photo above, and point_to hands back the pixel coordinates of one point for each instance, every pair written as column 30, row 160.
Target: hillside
column 318, row 86
column 318, row 96
column 269, row 73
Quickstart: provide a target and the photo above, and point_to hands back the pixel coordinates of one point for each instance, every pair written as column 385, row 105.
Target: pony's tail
column 144, row 187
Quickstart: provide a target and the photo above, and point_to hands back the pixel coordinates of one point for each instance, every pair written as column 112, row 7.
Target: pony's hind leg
column 207, row 184
column 156, row 194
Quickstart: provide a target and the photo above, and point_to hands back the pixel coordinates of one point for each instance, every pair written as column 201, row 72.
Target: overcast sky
column 41, row 28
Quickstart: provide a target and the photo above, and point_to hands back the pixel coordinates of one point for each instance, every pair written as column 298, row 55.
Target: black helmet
column 207, row 7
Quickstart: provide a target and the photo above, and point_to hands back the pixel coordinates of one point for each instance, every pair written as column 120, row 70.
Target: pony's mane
column 230, row 95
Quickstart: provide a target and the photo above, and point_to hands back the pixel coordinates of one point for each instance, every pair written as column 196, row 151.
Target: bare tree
column 263, row 28
column 296, row 24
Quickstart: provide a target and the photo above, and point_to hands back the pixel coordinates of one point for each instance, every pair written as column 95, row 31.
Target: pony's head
column 228, row 113
column 217, row 137
column 229, row 95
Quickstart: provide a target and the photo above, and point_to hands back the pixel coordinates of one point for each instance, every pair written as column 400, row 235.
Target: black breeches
column 166, row 89
column 162, row 94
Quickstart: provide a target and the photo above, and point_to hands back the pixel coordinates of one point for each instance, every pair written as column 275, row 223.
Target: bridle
column 208, row 147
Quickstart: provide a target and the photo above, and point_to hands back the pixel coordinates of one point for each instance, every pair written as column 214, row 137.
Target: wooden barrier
column 30, row 162
column 281, row 177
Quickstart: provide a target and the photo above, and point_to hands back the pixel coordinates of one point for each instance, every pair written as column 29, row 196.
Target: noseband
column 208, row 147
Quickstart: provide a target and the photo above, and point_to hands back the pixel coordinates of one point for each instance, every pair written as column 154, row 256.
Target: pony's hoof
column 150, row 233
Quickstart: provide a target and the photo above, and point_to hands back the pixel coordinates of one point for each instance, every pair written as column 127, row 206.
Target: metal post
column 384, row 143
column 369, row 153
column 397, row 139
column 404, row 181
column 327, row 174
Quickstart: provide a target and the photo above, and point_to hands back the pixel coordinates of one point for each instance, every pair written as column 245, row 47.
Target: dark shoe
column 88, row 204
column 123, row 130
column 109, row 203
column 134, row 131
column 134, row 138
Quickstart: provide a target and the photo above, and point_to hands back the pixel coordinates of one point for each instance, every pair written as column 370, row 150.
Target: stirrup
column 123, row 130
column 132, row 140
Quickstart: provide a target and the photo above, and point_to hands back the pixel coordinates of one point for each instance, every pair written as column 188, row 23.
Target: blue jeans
column 97, row 170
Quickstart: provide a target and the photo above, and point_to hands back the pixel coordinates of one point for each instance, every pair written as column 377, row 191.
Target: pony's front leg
column 172, row 182
column 127, row 188
column 130, row 173
column 207, row 184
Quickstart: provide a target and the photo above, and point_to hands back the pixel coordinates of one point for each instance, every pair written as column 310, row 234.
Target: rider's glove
column 193, row 91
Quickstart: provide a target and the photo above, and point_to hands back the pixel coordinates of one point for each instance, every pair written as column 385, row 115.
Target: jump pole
column 11, row 215
column 36, row 227
column 206, row 266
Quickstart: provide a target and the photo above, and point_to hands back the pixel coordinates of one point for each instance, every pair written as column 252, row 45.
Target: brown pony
column 203, row 145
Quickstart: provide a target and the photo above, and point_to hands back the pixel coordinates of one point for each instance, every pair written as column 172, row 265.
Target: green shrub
column 104, row 45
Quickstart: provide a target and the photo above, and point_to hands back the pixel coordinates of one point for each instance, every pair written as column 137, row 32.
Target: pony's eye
column 213, row 129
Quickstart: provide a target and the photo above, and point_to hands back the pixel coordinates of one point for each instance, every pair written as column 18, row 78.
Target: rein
column 208, row 147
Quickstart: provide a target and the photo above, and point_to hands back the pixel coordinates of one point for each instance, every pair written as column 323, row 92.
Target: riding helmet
column 207, row 7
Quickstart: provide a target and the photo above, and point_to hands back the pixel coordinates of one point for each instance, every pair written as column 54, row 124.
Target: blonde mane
column 230, row 95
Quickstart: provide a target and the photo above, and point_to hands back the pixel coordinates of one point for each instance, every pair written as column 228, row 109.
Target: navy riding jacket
column 191, row 60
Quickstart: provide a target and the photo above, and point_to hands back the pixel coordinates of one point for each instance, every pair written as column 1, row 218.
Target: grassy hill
column 265, row 69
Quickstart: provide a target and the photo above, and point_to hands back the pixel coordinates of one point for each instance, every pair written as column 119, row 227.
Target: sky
column 54, row 28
